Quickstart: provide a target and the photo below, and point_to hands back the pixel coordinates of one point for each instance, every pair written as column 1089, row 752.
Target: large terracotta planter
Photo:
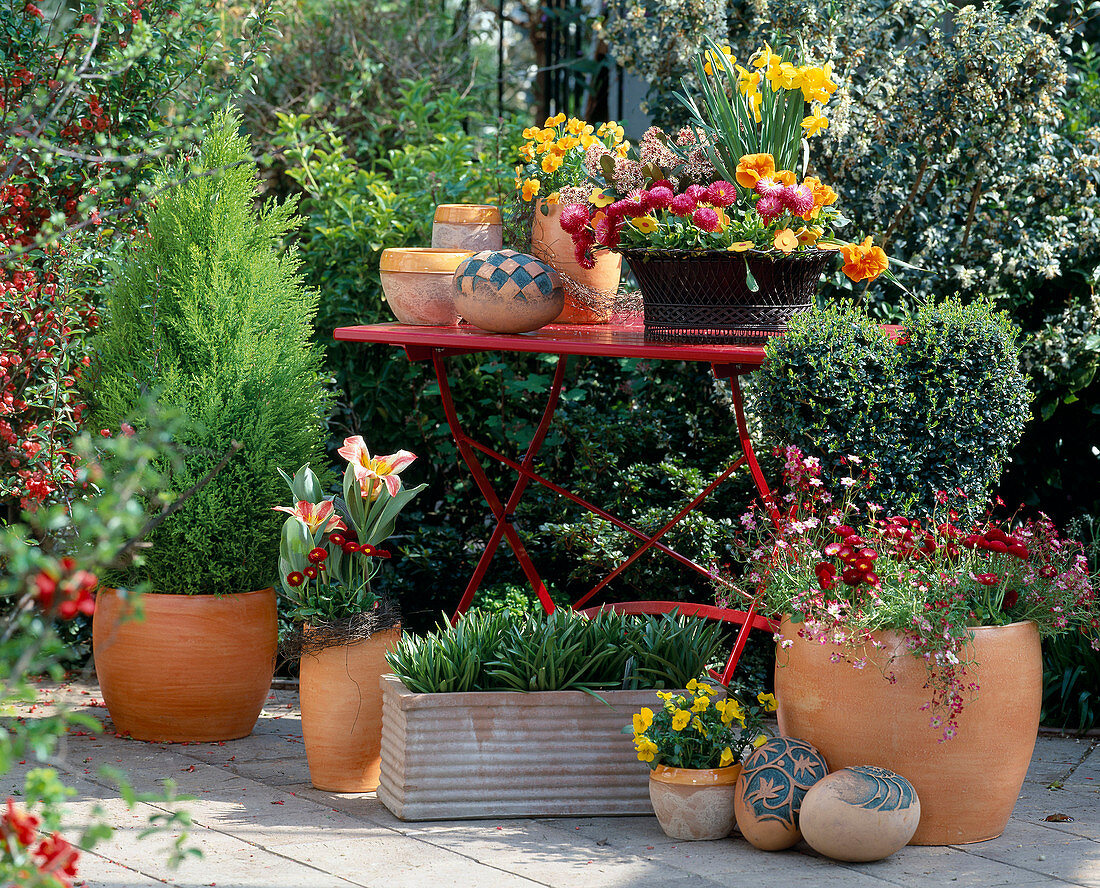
column 968, row 785
column 553, row 246
column 341, row 703
column 196, row 668
column 694, row 805
column 418, row 284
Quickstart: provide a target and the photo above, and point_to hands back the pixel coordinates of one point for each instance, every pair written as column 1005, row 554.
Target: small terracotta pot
column 555, row 247
column 694, row 805
column 341, row 699
column 419, row 286
column 967, row 785
column 196, row 668
column 474, row 227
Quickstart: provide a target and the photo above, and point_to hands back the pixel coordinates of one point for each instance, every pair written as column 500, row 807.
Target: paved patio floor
column 258, row 822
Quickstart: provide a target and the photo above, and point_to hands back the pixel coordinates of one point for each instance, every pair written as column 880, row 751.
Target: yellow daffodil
column 747, row 81
column 740, row 246
column 727, row 758
column 768, row 701
column 755, row 100
column 763, row 57
column 782, row 75
column 600, row 198
column 700, row 704
column 712, row 56
column 785, row 241
column 680, row 719
column 531, row 188
column 759, row 741
column 814, row 124
column 642, row 720
column 644, row 224
column 817, row 84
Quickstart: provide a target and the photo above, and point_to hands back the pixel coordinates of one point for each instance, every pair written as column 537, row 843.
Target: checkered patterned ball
column 503, row 291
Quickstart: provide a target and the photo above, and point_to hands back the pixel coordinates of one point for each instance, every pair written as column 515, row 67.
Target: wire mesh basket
column 705, row 296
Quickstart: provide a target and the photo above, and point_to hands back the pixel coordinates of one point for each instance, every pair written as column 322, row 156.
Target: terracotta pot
column 694, row 805
column 196, row 668
column 419, row 286
column 341, row 699
column 553, row 246
column 467, row 227
column 968, row 785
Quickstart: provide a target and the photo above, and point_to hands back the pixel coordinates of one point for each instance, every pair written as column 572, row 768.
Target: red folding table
column 616, row 340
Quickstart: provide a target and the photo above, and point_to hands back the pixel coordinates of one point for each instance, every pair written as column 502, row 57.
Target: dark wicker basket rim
column 646, row 253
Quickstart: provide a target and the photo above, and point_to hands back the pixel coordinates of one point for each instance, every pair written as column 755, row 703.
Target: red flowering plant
column 727, row 181
column 842, row 570
column 331, row 549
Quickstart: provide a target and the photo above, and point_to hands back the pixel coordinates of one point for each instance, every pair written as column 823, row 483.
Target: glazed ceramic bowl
column 467, row 227
column 418, row 283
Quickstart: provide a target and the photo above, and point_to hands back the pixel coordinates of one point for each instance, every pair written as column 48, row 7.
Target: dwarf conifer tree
column 210, row 315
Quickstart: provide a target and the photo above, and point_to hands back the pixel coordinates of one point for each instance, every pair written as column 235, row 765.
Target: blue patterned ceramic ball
column 507, row 292
column 860, row 813
column 769, row 792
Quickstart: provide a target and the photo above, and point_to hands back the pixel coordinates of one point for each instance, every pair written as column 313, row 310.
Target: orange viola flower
column 824, row 196
column 786, row 177
column 786, row 241
column 754, row 167
column 863, row 262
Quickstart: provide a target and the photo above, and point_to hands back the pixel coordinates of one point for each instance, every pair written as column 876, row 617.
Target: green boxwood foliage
column 210, row 314
column 938, row 409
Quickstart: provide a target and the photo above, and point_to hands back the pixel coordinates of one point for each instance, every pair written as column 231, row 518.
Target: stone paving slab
column 258, row 822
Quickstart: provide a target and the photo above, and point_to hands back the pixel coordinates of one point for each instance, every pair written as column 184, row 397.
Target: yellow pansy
column 699, row 726
column 740, row 246
column 643, row 720
column 692, row 685
column 702, row 687
column 814, row 124
column 555, row 120
column 527, row 152
column 680, row 719
column 622, row 149
column 768, row 701
column 553, row 198
column 600, row 198
column 664, row 695
column 727, row 758
column 551, row 162
column 647, row 749
column 732, row 711
column 759, row 741
column 587, row 141
column 700, row 704
column 574, row 126
column 645, row 224
column 531, row 188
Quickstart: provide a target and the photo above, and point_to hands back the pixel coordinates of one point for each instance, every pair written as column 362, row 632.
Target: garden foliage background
column 969, row 134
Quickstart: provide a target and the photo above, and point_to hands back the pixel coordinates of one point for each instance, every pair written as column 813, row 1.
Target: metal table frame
column 618, row 340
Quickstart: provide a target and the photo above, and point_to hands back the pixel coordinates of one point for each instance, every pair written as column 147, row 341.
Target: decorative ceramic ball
column 769, row 792
column 860, row 813
column 507, row 292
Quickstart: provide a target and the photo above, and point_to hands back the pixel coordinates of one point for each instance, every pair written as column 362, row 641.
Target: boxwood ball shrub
column 210, row 315
column 938, row 408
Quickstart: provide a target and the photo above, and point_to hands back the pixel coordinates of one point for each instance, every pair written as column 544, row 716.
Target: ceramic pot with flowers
column 327, row 562
column 693, row 746
column 552, row 173
column 941, row 619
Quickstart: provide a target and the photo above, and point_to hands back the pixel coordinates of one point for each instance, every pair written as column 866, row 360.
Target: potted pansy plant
column 726, row 239
column 693, row 745
column 330, row 552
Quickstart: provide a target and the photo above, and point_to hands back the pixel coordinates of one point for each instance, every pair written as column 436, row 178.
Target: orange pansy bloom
column 753, row 167
column 864, row 262
column 824, row 196
column 786, row 177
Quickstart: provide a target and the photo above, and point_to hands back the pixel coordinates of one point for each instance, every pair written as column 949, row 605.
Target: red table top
column 621, row 339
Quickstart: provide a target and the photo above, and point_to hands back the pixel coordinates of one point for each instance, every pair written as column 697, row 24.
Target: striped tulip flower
column 315, row 515
column 370, row 470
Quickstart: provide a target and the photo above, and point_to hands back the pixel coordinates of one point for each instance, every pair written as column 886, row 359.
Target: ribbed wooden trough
column 507, row 754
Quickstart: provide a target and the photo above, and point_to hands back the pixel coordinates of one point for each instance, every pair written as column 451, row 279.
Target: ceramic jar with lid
column 473, row 227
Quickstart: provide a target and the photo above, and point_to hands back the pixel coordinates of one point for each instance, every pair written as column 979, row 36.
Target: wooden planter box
column 508, row 754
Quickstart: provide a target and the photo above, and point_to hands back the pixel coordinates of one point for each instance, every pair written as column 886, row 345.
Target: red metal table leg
column 733, row 372
column 502, row 513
